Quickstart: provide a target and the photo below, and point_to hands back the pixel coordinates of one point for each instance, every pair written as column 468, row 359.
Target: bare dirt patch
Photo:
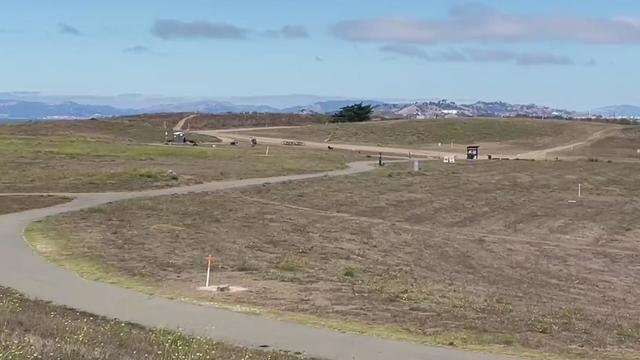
column 487, row 253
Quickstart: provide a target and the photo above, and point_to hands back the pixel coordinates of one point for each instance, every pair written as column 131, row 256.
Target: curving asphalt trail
column 25, row 271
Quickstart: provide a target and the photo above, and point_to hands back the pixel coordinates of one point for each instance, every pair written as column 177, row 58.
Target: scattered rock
column 172, row 174
column 224, row 288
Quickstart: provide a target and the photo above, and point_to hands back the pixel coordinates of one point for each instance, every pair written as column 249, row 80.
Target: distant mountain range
column 31, row 110
column 210, row 107
column 17, row 110
column 26, row 110
column 444, row 108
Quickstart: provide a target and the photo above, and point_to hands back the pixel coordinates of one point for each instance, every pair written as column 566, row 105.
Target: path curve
column 25, row 271
column 226, row 135
column 542, row 154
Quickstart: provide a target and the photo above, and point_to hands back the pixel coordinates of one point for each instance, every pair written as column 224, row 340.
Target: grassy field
column 149, row 128
column 12, row 204
column 486, row 255
column 504, row 136
column 79, row 164
column 32, row 330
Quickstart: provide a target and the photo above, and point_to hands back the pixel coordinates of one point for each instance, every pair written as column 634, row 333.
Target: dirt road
column 542, row 154
column 181, row 123
column 228, row 135
column 25, row 271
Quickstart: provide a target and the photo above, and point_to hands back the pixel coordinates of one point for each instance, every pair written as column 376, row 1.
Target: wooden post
column 209, row 263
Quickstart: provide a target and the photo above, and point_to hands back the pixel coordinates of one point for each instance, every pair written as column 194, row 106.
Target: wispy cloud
column 478, row 55
column 294, row 31
column 180, row 30
column 168, row 29
column 476, row 23
column 289, row 32
column 140, row 50
column 67, row 29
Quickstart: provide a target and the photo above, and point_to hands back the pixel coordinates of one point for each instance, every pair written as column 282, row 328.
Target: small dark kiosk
column 473, row 152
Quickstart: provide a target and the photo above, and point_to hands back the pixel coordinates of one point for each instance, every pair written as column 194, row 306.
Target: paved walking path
column 25, row 271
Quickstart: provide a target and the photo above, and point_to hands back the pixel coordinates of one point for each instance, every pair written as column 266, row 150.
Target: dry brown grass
column 503, row 136
column 225, row 121
column 477, row 253
column 31, row 330
column 107, row 155
column 79, row 164
column 623, row 145
column 12, row 204
column 149, row 128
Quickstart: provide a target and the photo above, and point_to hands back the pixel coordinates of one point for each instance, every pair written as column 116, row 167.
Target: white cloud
column 478, row 55
column 475, row 23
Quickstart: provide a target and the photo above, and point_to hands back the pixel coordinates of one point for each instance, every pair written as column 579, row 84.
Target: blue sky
column 577, row 54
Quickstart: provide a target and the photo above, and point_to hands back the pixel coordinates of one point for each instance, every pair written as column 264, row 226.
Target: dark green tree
column 354, row 113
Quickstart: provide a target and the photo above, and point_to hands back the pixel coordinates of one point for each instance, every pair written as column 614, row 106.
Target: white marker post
column 579, row 190
column 267, row 152
column 209, row 261
column 416, row 165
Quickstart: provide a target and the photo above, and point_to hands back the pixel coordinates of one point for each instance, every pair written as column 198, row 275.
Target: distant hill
column 630, row 111
column 210, row 107
column 444, row 108
column 331, row 106
column 16, row 110
column 26, row 110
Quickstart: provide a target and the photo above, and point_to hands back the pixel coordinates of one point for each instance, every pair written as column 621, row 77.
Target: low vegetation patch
column 32, row 330
column 76, row 164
